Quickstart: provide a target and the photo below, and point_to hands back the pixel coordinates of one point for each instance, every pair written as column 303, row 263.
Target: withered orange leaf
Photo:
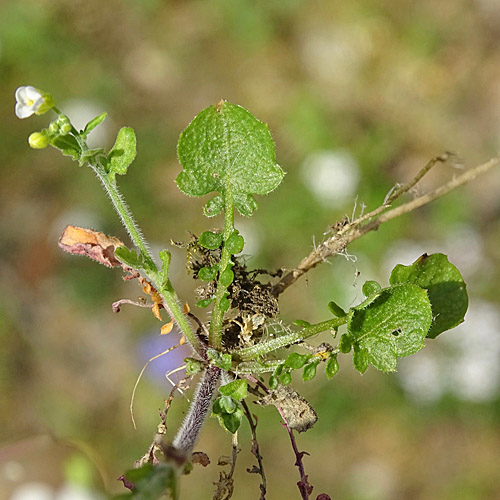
column 93, row 244
column 156, row 310
column 167, row 328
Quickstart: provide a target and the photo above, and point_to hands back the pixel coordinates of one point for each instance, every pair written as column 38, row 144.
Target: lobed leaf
column 390, row 325
column 445, row 287
column 226, row 150
column 122, row 154
column 129, row 257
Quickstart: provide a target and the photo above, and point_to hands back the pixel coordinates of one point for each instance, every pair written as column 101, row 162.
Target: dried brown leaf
column 98, row 246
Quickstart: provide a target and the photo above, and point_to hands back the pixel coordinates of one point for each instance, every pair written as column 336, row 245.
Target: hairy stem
column 355, row 229
column 187, row 435
column 215, row 335
column 252, row 352
column 166, row 291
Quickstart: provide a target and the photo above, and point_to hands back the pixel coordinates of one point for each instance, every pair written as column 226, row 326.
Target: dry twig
column 350, row 231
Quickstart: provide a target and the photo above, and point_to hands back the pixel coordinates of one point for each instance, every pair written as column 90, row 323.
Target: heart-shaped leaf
column 227, row 150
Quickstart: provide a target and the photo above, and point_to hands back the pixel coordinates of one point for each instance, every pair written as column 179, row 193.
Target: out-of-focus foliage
column 362, row 92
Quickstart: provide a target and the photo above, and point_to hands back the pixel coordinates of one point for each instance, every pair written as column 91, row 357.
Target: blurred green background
column 358, row 95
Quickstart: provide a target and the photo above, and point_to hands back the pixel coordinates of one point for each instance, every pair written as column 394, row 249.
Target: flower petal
column 23, row 111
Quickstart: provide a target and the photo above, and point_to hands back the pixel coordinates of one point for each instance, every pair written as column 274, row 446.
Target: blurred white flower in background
column 252, row 236
column 336, row 54
column 462, row 244
column 467, row 365
column 372, row 479
column 466, row 360
column 332, row 176
column 42, row 491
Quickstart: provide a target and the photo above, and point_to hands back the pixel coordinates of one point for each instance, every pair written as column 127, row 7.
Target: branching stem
column 357, row 228
column 252, row 352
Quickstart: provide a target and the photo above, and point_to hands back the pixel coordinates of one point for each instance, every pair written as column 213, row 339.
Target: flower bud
column 64, row 124
column 39, row 140
column 54, row 128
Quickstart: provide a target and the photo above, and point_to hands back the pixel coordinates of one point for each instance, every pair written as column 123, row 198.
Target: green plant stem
column 215, row 334
column 251, row 353
column 166, row 291
column 253, row 367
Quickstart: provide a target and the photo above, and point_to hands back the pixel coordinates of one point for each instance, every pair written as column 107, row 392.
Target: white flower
column 30, row 100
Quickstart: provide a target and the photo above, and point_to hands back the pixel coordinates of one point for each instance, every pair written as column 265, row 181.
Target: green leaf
column 286, row 378
column 204, row 303
column 273, row 381
column 193, row 366
column 151, row 482
column 310, row 371
column 224, row 304
column 235, row 243
column 214, row 206
column 302, row 323
column 208, row 273
column 336, row 310
column 237, row 389
column 90, row 156
column 371, row 287
column 279, row 369
column 296, row 361
column 219, row 359
column 129, row 257
column 122, row 154
column 92, row 124
column 360, row 359
column 232, row 421
column 392, row 324
column 68, row 145
column 445, row 287
column 217, row 408
column 227, row 150
column 345, row 343
column 210, row 240
column 227, row 404
column 332, row 366
column 227, row 276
